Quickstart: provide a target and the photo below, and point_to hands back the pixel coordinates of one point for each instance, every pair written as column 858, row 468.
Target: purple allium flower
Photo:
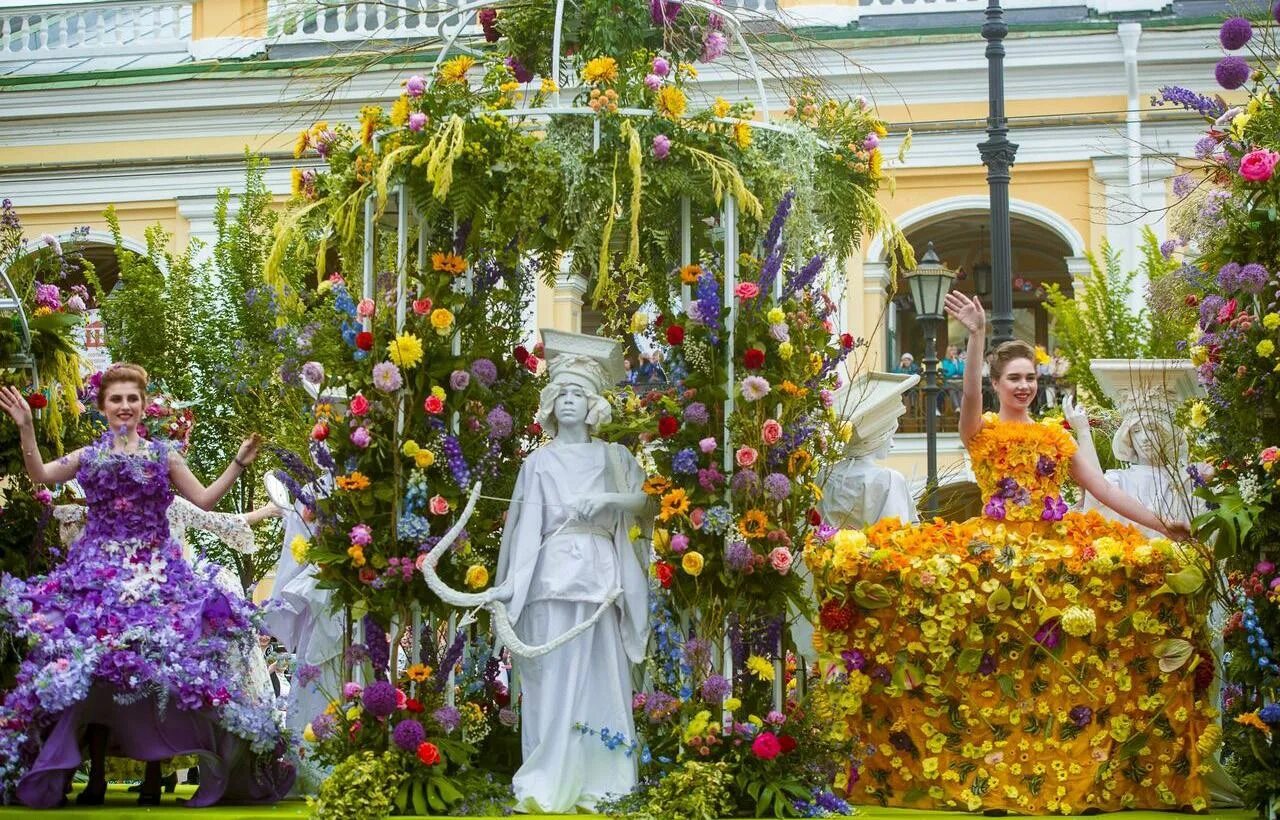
column 1235, row 32
column 713, row 45
column 1209, row 307
column 661, row 146
column 459, row 380
column 485, row 371
column 323, row 726
column 685, row 462
column 386, row 377
column 1228, row 278
column 307, row 674
column 415, row 86
column 1081, row 716
column 1253, row 278
column 697, row 651
column 744, row 481
column 1205, row 146
column 1232, row 72
column 778, row 486
column 500, row 423
column 417, row 121
column 1183, row 184
column 448, row 718
column 738, row 556
column 379, row 698
column 408, row 734
column 715, row 689
column 696, row 413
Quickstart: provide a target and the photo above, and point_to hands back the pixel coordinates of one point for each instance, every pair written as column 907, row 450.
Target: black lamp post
column 997, row 154
column 929, row 283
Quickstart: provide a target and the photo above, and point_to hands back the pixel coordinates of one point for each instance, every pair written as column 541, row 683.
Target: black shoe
column 193, row 776
column 170, row 782
column 92, row 795
column 149, row 798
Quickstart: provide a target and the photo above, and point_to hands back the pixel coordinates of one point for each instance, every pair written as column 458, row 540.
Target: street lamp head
column 929, row 283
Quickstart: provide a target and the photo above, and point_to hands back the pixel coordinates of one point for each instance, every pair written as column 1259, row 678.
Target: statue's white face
column 571, row 406
column 1146, row 443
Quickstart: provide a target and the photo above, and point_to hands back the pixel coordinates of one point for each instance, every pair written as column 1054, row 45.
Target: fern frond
column 725, row 177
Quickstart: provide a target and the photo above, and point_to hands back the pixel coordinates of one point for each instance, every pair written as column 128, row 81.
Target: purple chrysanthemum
column 379, row 698
column 407, row 735
column 1235, row 32
column 386, row 377
column 715, row 689
column 485, row 371
column 1232, row 72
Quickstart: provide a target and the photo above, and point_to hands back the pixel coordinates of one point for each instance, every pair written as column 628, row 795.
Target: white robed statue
column 568, row 557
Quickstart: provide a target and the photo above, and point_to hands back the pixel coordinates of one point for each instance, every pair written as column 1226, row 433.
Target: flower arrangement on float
column 1230, row 294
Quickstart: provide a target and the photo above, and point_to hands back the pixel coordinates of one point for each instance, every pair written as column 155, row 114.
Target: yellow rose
column 776, row 316
column 410, row 448
column 298, row 548
column 442, row 321
column 424, row 459
column 692, row 563
column 477, row 576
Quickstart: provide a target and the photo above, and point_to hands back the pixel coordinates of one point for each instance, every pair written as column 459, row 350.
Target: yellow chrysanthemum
column 742, row 134
column 600, row 70
column 1271, row 321
column 1079, row 621
column 671, row 102
column 776, row 316
column 1265, row 348
column 477, row 576
column 442, row 321
column 455, row 70
column 721, row 107
column 368, row 123
column 298, row 548
column 405, row 350
column 549, row 86
column 760, row 667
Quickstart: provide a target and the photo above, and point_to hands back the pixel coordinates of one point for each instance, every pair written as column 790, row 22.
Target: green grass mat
column 121, row 804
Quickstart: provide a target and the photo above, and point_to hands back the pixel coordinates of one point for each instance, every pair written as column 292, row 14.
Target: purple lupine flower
column 375, row 638
column 452, row 450
column 803, row 278
column 1190, row 100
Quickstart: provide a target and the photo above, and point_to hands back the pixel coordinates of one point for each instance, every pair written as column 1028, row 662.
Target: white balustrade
column 59, row 29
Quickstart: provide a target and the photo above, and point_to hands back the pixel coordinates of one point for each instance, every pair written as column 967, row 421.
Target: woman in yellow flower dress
column 1031, row 659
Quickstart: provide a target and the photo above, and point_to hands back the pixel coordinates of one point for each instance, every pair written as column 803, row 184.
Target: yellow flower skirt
column 1036, row 668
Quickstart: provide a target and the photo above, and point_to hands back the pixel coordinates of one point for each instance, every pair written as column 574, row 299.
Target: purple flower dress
column 127, row 635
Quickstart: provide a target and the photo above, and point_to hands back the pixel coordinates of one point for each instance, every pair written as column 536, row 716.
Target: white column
column 570, row 289
column 199, row 211
column 1077, row 268
column 877, row 313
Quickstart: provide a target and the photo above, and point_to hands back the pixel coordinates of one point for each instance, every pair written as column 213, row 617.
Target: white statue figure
column 567, row 558
column 857, row 491
column 1156, row 454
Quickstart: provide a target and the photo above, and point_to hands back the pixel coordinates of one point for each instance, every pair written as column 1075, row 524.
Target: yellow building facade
column 150, row 106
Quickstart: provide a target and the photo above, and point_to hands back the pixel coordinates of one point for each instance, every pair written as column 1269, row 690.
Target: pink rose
column 1270, row 454
column 359, row 405
column 402, row 700
column 439, row 505
column 746, row 456
column 747, row 290
column 1258, row 165
column 365, row 309
column 679, row 543
column 707, row 445
column 780, row 559
column 697, row 517
column 771, row 432
column 433, row 405
column 351, row 690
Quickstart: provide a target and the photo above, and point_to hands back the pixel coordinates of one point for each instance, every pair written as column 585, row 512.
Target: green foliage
column 361, row 787
column 693, row 790
column 1099, row 320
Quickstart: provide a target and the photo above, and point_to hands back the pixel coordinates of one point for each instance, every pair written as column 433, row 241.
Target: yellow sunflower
column 674, row 503
column 753, row 524
column 448, row 263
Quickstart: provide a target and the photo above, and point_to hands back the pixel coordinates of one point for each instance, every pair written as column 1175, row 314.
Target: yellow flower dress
column 1032, row 659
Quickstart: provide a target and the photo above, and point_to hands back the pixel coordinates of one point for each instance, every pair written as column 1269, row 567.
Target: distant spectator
column 907, row 364
column 952, row 369
column 628, row 375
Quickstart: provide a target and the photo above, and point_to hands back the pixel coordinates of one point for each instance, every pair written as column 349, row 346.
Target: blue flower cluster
column 1259, row 646
column 611, row 740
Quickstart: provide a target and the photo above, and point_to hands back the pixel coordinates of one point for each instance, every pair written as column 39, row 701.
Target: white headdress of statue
column 592, row 363
column 1147, row 392
column 872, row 405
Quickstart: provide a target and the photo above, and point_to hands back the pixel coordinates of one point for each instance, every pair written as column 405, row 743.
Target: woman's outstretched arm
column 969, row 312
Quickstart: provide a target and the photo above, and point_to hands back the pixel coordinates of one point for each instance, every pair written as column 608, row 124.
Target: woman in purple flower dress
column 129, row 645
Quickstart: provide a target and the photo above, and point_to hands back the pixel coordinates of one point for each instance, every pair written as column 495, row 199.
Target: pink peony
column 365, row 309
column 780, row 559
column 417, row 121
column 360, row 437
column 1258, row 165
column 746, row 456
column 661, row 67
column 351, row 690
column 661, row 146
column 771, row 432
column 747, row 290
column 652, row 81
column 679, row 543
column 361, row 534
column 707, row 445
column 766, row 746
column 439, row 505
column 415, row 86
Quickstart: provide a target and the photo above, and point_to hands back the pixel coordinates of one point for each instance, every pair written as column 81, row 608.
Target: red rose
column 835, row 616
column 364, row 340
column 413, row 705
column 846, row 341
column 37, row 401
column 521, row 353
column 502, row 697
column 668, row 426
column 787, row 742
column 368, row 575
column 422, row 306
column 359, row 405
column 665, row 573
column 433, row 405
column 534, row 429
column 815, row 517
column 753, row 358
column 320, row 432
column 428, row 753
column 675, row 335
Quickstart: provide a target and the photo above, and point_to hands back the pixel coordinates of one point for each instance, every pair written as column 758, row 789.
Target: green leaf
column 1132, row 746
column 402, row 798
column 969, row 661
column 419, row 798
column 1005, row 682
column 1186, row 581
